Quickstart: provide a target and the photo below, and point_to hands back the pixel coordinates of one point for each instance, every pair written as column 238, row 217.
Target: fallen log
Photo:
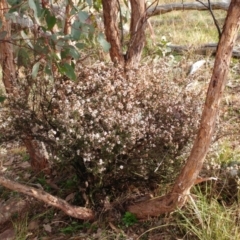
column 206, row 49
column 162, row 9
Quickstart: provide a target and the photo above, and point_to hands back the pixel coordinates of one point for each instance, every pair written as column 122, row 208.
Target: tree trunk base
column 157, row 206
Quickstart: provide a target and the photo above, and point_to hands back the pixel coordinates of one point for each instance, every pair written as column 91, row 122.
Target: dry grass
column 187, row 27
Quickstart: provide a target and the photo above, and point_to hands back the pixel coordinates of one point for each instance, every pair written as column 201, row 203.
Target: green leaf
column 83, row 16
column 97, row 5
column 68, row 70
column 75, row 31
column 35, row 70
column 80, row 45
column 26, row 38
column 40, row 47
column 23, row 58
column 2, row 98
column 105, row 45
column 3, row 35
column 35, row 6
column 64, row 53
column 50, row 20
column 73, row 52
column 61, row 42
column 14, row 2
column 0, row 23
column 89, row 2
column 48, row 69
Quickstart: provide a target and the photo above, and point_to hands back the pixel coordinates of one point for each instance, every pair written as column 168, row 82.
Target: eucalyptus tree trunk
column 111, row 12
column 36, row 150
column 6, row 52
column 113, row 35
column 190, row 172
column 137, row 32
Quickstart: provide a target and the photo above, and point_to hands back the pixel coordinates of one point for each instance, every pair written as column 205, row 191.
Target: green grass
column 129, row 219
column 20, row 227
column 187, row 27
column 207, row 220
column 76, row 226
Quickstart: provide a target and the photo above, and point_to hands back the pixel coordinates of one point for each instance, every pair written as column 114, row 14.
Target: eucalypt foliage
column 50, row 35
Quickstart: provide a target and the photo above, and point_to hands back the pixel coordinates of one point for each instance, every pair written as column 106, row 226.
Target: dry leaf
column 70, row 197
column 25, row 165
column 8, row 234
column 8, row 163
column 33, row 225
column 47, row 228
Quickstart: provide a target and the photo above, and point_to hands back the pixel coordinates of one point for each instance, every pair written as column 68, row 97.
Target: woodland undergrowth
column 110, row 124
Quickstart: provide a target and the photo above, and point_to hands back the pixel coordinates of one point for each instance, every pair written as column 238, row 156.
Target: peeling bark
column 189, row 174
column 72, row 211
column 67, row 26
column 110, row 16
column 137, row 33
column 6, row 53
column 38, row 155
column 35, row 150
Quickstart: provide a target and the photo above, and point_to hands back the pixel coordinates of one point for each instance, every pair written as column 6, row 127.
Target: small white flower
column 97, row 135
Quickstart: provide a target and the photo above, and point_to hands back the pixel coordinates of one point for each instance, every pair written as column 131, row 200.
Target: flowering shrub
column 112, row 123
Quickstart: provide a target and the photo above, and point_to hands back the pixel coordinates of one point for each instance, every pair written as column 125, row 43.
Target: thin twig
column 157, row 2
column 209, row 7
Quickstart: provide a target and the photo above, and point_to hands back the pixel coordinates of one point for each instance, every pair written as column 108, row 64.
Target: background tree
column 6, row 52
column 38, row 159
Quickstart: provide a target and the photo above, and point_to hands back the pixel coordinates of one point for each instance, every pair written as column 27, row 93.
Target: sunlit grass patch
column 188, row 27
column 207, row 219
column 20, row 225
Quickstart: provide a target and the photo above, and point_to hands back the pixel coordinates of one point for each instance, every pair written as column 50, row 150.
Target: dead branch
column 73, row 211
column 162, row 9
column 206, row 49
column 209, row 7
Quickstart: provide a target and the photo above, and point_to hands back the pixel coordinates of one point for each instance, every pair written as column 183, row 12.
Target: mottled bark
column 110, row 16
column 38, row 154
column 189, row 174
column 35, row 149
column 6, row 52
column 67, row 26
column 137, row 33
